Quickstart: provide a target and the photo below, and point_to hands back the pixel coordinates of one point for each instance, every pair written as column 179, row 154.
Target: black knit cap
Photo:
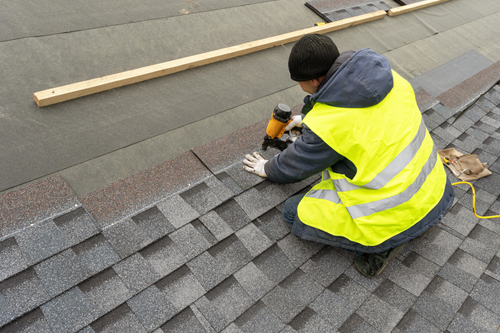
column 311, row 57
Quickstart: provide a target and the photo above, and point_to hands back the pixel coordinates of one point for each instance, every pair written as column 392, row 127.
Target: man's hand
column 255, row 164
column 296, row 122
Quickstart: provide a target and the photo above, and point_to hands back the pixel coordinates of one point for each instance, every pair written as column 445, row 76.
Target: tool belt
column 465, row 167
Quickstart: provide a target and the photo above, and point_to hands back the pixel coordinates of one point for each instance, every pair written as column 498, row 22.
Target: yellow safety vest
column 399, row 176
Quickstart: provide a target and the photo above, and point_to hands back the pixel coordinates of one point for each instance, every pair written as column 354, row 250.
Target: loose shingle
column 68, row 312
column 151, row 307
column 41, row 241
column 201, row 198
column 61, row 272
column 24, row 292
column 164, row 256
column 11, row 259
column 126, row 237
column 136, row 272
column 154, row 223
column 181, row 288
column 292, row 295
column 121, row 319
column 76, row 226
column 105, row 291
column 177, row 211
column 96, row 253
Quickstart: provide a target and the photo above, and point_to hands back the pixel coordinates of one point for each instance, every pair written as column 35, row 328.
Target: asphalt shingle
column 121, row 319
column 154, row 223
column 68, row 312
column 151, row 307
column 11, row 259
column 76, row 226
column 181, row 288
column 223, row 304
column 41, row 241
column 136, row 272
column 105, row 291
column 217, row 256
column 292, row 295
column 61, row 272
column 126, row 237
column 96, row 253
column 24, row 292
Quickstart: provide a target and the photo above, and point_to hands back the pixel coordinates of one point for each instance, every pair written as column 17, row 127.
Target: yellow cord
column 474, row 201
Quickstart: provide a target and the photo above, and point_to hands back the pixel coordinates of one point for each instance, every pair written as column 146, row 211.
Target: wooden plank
column 84, row 88
column 413, row 6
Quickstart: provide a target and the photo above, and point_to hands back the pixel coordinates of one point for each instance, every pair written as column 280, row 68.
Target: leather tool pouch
column 466, row 167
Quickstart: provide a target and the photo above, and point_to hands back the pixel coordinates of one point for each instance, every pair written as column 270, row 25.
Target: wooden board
column 84, row 88
column 412, row 7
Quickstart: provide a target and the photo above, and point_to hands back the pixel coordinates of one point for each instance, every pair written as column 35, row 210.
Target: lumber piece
column 84, row 88
column 413, row 6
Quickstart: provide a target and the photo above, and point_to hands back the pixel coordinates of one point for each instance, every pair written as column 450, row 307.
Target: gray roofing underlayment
column 208, row 251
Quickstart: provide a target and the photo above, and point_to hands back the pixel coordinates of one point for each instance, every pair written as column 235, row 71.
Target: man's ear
column 317, row 82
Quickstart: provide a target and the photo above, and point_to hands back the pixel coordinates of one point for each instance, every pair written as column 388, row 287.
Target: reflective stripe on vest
column 358, row 211
column 395, row 167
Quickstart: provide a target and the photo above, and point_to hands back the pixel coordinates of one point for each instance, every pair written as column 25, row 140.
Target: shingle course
column 218, row 257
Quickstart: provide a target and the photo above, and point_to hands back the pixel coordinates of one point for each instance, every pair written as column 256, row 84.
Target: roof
column 206, row 250
column 110, row 221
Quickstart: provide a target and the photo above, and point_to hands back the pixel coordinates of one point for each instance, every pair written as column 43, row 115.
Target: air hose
column 474, row 201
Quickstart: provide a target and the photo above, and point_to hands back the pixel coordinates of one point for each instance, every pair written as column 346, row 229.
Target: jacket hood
column 361, row 81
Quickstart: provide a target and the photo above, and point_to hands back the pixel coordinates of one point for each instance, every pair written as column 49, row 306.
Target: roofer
column 382, row 181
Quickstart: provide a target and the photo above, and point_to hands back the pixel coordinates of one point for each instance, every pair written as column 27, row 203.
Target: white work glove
column 296, row 122
column 255, row 164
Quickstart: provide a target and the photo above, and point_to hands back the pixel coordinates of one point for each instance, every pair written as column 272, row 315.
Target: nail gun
column 281, row 116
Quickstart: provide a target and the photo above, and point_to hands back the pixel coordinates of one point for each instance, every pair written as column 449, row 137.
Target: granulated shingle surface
column 211, row 252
